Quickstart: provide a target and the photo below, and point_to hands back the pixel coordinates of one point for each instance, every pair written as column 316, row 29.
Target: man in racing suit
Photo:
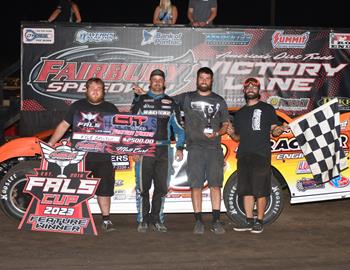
column 156, row 103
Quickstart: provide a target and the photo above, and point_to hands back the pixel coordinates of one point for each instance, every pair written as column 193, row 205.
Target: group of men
column 206, row 119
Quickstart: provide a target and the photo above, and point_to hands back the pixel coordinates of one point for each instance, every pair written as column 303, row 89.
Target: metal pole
column 272, row 12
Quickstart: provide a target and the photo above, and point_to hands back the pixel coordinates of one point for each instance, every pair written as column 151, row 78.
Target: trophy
column 62, row 156
column 209, row 113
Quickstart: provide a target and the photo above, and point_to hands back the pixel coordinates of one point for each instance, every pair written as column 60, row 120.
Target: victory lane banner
column 114, row 134
column 60, row 191
column 298, row 68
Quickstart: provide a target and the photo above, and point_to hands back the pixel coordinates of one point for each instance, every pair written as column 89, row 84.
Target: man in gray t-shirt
column 206, row 119
column 202, row 12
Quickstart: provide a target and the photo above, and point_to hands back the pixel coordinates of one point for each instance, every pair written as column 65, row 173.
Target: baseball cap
column 157, row 72
column 251, row 81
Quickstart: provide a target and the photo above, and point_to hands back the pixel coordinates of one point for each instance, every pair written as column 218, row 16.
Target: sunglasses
column 253, row 82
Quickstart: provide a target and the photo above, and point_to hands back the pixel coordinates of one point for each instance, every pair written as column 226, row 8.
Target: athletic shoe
column 107, row 226
column 217, row 227
column 243, row 227
column 198, row 227
column 257, row 227
column 142, row 227
column 159, row 227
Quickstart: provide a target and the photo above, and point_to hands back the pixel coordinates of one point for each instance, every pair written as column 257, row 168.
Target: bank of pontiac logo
column 163, row 39
column 148, row 37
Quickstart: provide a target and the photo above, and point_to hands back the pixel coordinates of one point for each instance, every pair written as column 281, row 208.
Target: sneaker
column 142, row 227
column 198, row 227
column 246, row 226
column 159, row 227
column 257, row 228
column 217, row 227
column 107, row 226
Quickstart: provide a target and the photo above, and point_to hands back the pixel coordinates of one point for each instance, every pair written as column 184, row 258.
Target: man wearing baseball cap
column 155, row 169
column 252, row 126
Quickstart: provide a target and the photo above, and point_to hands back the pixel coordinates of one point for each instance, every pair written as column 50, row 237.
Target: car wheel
column 14, row 201
column 234, row 203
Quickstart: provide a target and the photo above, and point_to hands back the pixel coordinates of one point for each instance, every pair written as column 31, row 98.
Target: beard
column 204, row 87
column 95, row 100
column 254, row 96
column 158, row 88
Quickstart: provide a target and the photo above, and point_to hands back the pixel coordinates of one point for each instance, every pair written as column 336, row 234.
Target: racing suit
column 156, row 168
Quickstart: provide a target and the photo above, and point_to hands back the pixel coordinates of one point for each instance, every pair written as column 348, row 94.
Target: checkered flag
column 318, row 135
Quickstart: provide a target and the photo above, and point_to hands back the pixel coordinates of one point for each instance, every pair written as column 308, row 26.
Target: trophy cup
column 208, row 114
column 62, row 155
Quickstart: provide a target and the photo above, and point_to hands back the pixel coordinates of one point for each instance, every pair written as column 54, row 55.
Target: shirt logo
column 256, row 119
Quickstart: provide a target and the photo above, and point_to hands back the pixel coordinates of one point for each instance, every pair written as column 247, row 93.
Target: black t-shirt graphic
column 253, row 124
column 83, row 106
column 197, row 109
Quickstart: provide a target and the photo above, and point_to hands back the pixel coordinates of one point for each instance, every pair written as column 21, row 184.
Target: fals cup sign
column 60, row 191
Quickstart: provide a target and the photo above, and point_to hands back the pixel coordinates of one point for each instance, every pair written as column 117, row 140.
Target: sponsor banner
column 38, row 36
column 308, row 183
column 114, row 134
column 339, row 40
column 297, row 68
column 60, row 193
column 121, row 162
column 339, row 182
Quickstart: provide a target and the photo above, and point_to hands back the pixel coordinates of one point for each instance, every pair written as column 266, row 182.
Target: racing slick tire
column 14, row 201
column 234, row 203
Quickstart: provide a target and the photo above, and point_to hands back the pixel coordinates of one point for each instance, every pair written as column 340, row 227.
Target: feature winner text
column 69, row 225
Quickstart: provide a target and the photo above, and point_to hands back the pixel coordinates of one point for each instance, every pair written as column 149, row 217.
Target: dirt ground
column 307, row 236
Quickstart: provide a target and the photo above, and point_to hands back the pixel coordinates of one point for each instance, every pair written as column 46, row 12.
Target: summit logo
column 281, row 40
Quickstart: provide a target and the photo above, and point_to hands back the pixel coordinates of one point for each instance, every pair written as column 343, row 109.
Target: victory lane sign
column 60, row 191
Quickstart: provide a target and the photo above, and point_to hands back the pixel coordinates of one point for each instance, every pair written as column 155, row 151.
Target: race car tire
column 234, row 203
column 14, row 201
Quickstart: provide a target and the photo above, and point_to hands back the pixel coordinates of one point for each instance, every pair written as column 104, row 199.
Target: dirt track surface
column 308, row 236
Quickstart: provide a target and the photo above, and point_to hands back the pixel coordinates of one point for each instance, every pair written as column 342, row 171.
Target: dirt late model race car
column 290, row 171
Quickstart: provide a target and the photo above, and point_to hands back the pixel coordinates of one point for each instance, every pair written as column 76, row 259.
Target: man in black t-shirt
column 99, row 164
column 252, row 126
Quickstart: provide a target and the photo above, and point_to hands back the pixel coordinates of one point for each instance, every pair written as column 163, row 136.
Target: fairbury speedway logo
column 63, row 74
column 62, row 156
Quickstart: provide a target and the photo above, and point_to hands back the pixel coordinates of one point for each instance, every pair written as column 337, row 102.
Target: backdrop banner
column 299, row 69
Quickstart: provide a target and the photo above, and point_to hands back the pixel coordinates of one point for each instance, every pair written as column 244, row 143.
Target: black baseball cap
column 157, row 72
